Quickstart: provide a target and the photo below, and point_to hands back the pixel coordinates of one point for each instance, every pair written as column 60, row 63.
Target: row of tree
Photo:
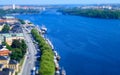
column 47, row 66
column 95, row 13
column 18, row 49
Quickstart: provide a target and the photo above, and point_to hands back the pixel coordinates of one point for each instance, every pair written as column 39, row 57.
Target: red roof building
column 1, row 20
column 4, row 51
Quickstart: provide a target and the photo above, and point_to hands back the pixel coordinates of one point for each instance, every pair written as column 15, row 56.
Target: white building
column 13, row 6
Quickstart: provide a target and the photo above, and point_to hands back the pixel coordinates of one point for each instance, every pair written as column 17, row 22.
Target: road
column 30, row 56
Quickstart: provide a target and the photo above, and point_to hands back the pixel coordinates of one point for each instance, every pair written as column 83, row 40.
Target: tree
column 16, row 44
column 16, row 54
column 4, row 43
column 22, row 21
column 6, row 28
column 18, row 49
column 7, row 46
column 47, row 66
column 95, row 13
column 23, row 46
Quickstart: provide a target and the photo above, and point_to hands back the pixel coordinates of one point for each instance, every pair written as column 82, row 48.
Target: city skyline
column 45, row 2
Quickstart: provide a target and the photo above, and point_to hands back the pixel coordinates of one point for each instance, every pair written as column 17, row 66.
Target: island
column 93, row 13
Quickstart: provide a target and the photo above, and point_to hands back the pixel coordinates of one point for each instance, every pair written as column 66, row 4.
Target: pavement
column 30, row 58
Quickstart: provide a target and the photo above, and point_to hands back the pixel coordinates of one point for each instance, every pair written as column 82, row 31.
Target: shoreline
column 92, row 13
column 58, row 69
column 56, row 55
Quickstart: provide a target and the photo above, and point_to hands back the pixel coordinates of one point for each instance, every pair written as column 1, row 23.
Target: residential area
column 11, row 45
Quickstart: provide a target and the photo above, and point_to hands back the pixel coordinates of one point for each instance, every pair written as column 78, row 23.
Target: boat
column 57, row 67
column 57, row 72
column 49, row 42
column 38, row 28
column 43, row 29
column 63, row 72
column 57, row 55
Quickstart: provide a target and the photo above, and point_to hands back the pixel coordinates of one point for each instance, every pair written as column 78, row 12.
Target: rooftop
column 4, row 58
column 6, row 71
column 13, row 62
column 8, row 35
column 1, row 20
column 9, row 17
column 3, row 48
column 1, row 65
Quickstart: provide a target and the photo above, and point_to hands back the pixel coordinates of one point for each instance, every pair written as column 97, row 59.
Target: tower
column 13, row 6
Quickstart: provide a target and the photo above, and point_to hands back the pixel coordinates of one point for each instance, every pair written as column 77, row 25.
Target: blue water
column 87, row 46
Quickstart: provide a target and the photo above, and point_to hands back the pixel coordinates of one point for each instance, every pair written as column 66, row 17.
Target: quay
column 43, row 30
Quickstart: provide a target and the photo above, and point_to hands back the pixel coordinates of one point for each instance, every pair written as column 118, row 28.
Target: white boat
column 57, row 55
column 43, row 28
column 63, row 71
column 49, row 42
column 38, row 28
column 57, row 72
column 34, row 68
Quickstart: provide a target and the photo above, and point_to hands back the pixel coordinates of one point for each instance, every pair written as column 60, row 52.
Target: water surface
column 87, row 46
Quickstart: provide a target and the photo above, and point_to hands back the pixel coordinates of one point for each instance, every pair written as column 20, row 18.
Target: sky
column 42, row 2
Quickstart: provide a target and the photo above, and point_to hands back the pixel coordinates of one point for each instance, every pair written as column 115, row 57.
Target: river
column 87, row 46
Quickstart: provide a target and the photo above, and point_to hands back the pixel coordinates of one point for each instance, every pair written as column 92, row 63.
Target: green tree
column 18, row 49
column 16, row 54
column 95, row 13
column 47, row 66
column 6, row 28
column 22, row 21
column 16, row 44
column 23, row 47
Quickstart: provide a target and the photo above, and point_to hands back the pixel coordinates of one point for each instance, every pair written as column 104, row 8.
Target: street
column 29, row 62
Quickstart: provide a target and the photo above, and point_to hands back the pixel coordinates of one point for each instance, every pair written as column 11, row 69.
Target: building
column 13, row 6
column 7, row 66
column 5, row 61
column 2, row 22
column 1, row 67
column 7, row 71
column 9, row 37
column 4, row 51
column 16, row 29
column 1, row 26
column 10, row 19
column 13, row 64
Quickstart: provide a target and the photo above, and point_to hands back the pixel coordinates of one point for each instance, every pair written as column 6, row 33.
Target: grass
column 20, row 64
column 21, row 61
column 16, row 73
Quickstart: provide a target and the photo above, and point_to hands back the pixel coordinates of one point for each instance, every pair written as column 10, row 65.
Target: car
column 33, row 71
column 27, row 57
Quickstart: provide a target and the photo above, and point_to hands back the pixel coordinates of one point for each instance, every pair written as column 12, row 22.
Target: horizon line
column 66, row 4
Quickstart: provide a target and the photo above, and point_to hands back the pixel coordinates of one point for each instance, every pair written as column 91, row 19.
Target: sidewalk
column 21, row 71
